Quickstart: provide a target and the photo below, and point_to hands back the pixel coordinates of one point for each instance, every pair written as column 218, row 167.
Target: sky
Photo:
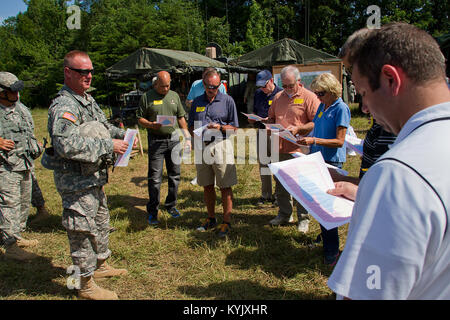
column 10, row 8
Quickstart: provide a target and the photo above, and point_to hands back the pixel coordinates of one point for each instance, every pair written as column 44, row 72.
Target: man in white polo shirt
column 398, row 243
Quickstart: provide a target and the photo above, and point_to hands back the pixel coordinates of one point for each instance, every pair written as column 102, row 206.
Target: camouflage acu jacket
column 16, row 124
column 68, row 111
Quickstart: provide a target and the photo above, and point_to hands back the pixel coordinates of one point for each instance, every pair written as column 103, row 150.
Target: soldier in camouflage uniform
column 17, row 152
column 80, row 172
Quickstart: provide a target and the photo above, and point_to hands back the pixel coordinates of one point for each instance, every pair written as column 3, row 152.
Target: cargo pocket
column 73, row 221
column 79, row 212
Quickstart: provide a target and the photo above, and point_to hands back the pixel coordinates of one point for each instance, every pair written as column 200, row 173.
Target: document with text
column 122, row 160
column 307, row 179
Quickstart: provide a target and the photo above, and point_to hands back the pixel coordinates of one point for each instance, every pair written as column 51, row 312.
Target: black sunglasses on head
column 83, row 72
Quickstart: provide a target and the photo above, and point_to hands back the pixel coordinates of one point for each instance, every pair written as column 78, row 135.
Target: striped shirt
column 376, row 143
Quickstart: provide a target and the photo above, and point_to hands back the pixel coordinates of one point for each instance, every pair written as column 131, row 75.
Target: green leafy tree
column 259, row 28
column 119, row 27
column 34, row 42
column 218, row 31
column 32, row 46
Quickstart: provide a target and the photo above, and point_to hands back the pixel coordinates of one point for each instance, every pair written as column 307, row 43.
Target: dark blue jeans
column 330, row 237
column 160, row 150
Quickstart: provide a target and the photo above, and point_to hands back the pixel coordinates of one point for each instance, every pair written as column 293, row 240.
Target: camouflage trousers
column 86, row 219
column 37, row 200
column 15, row 198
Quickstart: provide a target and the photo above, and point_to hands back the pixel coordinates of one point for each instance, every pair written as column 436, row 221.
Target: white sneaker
column 303, row 226
column 278, row 221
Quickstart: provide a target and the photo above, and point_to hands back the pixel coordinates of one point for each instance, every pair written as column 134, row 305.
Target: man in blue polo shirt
column 216, row 111
column 197, row 89
column 267, row 90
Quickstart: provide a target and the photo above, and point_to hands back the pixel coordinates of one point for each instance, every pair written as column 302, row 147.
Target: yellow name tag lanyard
column 157, row 102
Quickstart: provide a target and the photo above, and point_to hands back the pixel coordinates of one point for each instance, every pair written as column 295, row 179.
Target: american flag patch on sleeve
column 70, row 117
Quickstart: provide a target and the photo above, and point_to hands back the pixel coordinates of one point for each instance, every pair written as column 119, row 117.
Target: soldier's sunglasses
column 83, row 72
column 15, row 87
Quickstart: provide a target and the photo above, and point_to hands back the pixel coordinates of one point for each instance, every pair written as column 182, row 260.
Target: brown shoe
column 104, row 270
column 41, row 214
column 90, row 290
column 24, row 243
column 16, row 253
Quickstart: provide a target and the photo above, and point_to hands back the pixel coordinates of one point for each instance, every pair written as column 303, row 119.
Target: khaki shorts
column 217, row 165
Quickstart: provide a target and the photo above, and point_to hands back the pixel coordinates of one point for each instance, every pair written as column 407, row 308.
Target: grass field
column 173, row 261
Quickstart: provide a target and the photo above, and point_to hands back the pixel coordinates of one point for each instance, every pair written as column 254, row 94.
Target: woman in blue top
column 330, row 126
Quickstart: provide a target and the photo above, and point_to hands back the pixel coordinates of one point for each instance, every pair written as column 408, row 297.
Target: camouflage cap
column 10, row 82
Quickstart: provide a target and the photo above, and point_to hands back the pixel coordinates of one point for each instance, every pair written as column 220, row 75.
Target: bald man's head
column 162, row 84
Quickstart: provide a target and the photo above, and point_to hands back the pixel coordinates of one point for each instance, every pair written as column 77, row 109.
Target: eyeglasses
column 320, row 93
column 211, row 87
column 83, row 72
column 290, row 86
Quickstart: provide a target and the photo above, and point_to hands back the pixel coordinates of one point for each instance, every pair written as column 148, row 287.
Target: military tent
column 291, row 52
column 148, row 61
column 282, row 52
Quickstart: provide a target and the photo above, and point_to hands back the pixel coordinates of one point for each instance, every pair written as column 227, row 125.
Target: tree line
column 34, row 42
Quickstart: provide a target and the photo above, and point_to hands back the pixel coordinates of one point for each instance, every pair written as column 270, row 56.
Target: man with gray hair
column 18, row 149
column 294, row 108
column 80, row 172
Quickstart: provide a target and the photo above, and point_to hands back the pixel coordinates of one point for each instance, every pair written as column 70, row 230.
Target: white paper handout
column 166, row 121
column 287, row 135
column 355, row 144
column 198, row 132
column 122, row 160
column 274, row 126
column 341, row 171
column 252, row 116
column 307, row 179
